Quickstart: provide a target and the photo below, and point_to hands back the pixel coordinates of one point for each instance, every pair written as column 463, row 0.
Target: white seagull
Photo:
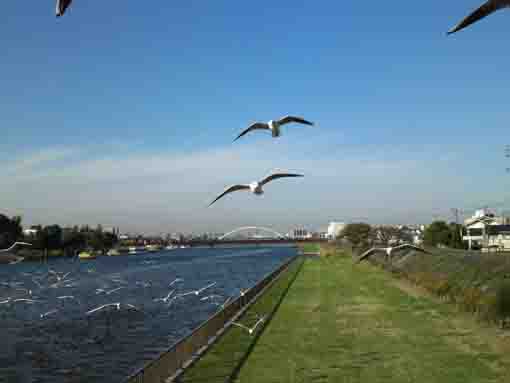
column 24, row 300
column 255, row 187
column 195, row 292
column 117, row 305
column 175, row 281
column 16, row 244
column 388, row 250
column 486, row 9
column 48, row 313
column 61, row 7
column 114, row 290
column 165, row 299
column 200, row 291
column 274, row 125
column 249, row 329
column 210, row 297
column 68, row 297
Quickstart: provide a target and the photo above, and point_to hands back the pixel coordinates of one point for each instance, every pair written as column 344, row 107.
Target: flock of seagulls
column 42, row 282
column 274, row 126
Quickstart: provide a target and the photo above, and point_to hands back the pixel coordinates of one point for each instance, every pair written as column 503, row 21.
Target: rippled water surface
column 54, row 340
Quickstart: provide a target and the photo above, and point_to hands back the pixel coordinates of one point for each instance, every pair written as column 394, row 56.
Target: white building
column 300, row 234
column 30, row 232
column 485, row 230
column 334, row 229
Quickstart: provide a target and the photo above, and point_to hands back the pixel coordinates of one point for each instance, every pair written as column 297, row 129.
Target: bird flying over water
column 274, row 125
column 62, row 6
column 255, row 187
column 16, row 244
column 486, row 9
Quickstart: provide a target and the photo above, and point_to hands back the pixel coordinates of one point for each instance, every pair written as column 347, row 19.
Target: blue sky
column 124, row 114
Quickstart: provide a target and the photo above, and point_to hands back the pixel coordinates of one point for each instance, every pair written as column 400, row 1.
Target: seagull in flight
column 48, row 313
column 16, row 244
column 165, row 299
column 274, row 125
column 68, row 297
column 116, row 305
column 24, row 300
column 255, row 187
column 250, row 329
column 388, row 250
column 62, row 6
column 484, row 10
column 175, row 281
column 210, row 297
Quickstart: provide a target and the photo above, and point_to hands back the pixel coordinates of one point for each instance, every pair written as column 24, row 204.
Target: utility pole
column 507, row 156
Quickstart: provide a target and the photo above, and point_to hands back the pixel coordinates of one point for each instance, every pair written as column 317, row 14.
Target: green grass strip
column 344, row 322
column 223, row 359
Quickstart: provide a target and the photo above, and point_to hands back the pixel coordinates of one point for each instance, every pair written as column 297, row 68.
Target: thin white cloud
column 29, row 162
column 156, row 192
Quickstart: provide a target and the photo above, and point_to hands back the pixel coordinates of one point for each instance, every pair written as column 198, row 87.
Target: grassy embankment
column 478, row 283
column 346, row 322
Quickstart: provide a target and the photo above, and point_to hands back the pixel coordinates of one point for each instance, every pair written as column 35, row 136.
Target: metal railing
column 172, row 361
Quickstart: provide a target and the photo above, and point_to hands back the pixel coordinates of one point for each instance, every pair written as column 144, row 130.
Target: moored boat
column 113, row 252
column 87, row 255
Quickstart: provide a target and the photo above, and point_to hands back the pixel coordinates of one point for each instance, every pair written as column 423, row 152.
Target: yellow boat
column 87, row 255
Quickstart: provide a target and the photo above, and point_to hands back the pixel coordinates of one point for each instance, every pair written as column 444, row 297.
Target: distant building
column 485, row 230
column 300, row 234
column 30, row 232
column 498, row 237
column 335, row 229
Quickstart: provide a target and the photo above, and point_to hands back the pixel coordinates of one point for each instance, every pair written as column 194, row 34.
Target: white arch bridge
column 251, row 228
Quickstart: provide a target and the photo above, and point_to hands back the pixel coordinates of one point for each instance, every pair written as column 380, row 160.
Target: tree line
column 362, row 236
column 54, row 237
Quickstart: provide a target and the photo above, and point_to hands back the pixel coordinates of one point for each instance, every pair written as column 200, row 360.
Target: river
column 53, row 339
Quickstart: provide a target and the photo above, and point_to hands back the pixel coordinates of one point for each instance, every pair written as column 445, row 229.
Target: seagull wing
column 368, row 253
column 240, row 325
column 486, row 9
column 14, row 245
column 62, row 6
column 276, row 176
column 231, row 189
column 408, row 245
column 252, row 127
column 289, row 119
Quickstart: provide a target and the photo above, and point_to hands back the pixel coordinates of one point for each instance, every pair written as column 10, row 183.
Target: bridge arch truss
column 247, row 228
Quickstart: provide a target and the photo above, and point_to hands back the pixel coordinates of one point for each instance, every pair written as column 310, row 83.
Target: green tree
column 437, row 233
column 50, row 237
column 456, row 241
column 390, row 235
column 10, row 230
column 360, row 235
